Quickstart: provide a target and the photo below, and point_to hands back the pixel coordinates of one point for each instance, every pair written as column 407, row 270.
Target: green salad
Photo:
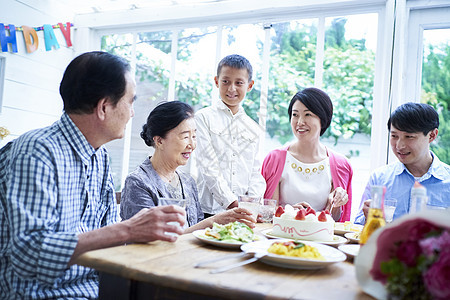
column 234, row 232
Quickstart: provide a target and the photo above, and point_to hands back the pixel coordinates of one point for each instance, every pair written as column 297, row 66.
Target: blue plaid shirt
column 53, row 186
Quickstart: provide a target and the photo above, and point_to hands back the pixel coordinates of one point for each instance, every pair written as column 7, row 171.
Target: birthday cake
column 303, row 224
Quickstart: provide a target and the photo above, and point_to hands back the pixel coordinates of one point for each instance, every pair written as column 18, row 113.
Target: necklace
column 163, row 177
column 169, row 179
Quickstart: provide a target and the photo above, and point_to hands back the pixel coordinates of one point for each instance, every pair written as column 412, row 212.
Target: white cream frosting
column 309, row 229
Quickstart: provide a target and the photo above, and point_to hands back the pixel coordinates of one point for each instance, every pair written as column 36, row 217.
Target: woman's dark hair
column 318, row 102
column 414, row 117
column 165, row 117
column 91, row 77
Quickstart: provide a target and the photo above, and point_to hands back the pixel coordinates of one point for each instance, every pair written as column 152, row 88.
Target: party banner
column 8, row 36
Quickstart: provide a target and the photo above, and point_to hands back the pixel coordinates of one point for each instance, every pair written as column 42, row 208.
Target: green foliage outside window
column 347, row 78
column 436, row 92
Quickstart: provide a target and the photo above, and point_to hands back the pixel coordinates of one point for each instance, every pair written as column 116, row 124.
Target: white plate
column 331, row 255
column 351, row 250
column 337, row 240
column 339, row 228
column 351, row 237
column 200, row 234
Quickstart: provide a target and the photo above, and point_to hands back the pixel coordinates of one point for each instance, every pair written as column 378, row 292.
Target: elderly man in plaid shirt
column 57, row 197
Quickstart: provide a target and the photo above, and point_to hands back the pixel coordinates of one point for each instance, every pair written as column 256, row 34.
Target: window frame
column 386, row 10
column 2, row 80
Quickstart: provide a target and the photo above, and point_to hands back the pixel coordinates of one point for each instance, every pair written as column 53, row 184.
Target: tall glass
column 173, row 201
column 267, row 210
column 389, row 209
column 250, row 203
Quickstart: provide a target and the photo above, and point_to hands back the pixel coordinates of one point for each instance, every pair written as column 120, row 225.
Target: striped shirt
column 54, row 185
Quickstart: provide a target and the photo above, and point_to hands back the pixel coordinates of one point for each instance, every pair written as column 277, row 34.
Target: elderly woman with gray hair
column 171, row 130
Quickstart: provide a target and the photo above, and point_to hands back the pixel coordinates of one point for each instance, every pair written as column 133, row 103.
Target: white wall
column 31, row 88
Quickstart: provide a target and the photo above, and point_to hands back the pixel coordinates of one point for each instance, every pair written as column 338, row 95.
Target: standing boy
column 228, row 141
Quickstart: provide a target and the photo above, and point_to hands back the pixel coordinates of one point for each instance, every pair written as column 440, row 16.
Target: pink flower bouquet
column 408, row 259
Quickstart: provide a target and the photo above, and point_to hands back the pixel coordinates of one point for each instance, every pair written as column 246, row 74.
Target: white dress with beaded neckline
column 305, row 182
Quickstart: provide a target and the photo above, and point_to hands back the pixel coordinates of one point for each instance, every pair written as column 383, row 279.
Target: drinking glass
column 267, row 210
column 250, row 203
column 389, row 209
column 173, row 201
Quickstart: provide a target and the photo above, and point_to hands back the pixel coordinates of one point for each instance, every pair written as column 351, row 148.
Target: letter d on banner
column 11, row 39
column 31, row 38
column 50, row 38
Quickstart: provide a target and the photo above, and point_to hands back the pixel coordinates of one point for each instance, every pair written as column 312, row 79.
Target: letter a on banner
column 31, row 38
column 66, row 32
column 50, row 38
column 11, row 39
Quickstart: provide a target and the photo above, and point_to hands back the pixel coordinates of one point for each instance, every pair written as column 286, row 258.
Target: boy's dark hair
column 165, row 117
column 318, row 102
column 237, row 62
column 414, row 117
column 91, row 77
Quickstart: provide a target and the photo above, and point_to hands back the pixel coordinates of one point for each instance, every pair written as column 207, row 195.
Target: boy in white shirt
column 228, row 142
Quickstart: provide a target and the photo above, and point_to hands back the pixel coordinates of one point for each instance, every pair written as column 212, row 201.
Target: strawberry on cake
column 303, row 224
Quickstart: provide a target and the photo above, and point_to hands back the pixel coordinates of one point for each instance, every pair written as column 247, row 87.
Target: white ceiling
column 98, row 6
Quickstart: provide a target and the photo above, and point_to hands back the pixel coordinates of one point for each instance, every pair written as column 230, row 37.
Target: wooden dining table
column 163, row 270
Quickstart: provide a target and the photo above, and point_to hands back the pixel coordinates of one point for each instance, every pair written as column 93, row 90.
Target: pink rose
column 390, row 239
column 437, row 277
column 435, row 244
column 387, row 245
column 408, row 251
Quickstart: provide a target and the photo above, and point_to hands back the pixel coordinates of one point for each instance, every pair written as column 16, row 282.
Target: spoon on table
column 209, row 261
column 257, row 255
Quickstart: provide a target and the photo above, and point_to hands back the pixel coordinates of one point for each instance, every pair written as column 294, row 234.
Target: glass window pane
column 247, row 40
column 195, row 66
column 348, row 78
column 153, row 61
column 436, row 85
column 121, row 45
column 292, row 63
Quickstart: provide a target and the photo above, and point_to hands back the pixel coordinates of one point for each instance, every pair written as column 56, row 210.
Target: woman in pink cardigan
column 306, row 173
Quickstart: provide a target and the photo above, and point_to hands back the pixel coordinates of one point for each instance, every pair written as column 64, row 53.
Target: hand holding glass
column 250, row 203
column 172, row 201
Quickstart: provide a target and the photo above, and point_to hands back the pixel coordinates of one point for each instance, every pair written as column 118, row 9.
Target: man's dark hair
column 237, row 62
column 91, row 77
column 165, row 117
column 318, row 102
column 414, row 117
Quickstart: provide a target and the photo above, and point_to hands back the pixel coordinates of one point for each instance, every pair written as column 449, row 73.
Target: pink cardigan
column 341, row 174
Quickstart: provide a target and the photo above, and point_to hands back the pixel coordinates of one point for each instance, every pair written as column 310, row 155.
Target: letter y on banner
column 66, row 32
